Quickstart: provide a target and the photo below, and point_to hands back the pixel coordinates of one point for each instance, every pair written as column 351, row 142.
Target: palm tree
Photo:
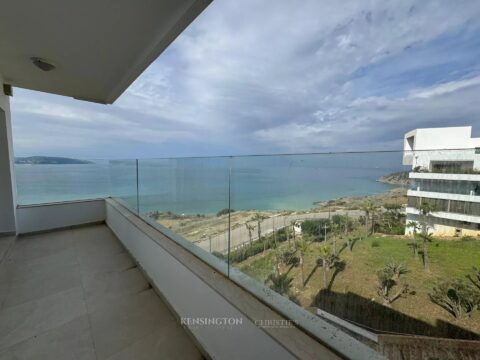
column 426, row 238
column 415, row 228
column 328, row 261
column 425, row 210
column 292, row 223
column 278, row 259
column 288, row 230
column 250, row 228
column 335, row 229
column 369, row 208
column 259, row 218
column 302, row 247
column 279, row 283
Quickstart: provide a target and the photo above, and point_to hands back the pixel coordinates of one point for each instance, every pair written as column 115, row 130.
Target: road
column 239, row 235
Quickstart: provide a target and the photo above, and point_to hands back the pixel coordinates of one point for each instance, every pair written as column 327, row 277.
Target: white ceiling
column 99, row 47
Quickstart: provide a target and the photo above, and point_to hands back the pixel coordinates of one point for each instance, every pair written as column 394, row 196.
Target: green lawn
column 448, row 259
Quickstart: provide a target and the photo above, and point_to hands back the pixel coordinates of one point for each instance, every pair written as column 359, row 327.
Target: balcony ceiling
column 99, row 47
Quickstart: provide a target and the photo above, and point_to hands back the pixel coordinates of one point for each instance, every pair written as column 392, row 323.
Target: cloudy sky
column 279, row 76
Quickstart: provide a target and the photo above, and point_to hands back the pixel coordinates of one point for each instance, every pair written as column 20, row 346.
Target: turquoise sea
column 206, row 185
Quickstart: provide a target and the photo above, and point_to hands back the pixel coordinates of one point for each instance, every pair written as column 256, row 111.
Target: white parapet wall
column 45, row 217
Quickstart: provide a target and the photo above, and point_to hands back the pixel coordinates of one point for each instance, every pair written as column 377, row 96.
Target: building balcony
column 444, row 176
column 474, row 219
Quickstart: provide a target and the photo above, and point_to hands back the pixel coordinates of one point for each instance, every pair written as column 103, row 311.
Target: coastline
column 199, row 228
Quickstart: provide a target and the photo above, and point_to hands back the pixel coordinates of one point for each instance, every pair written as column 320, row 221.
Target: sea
column 208, row 185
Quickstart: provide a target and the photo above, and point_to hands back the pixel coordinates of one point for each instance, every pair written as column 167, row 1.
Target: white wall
column 440, row 144
column 189, row 296
column 44, row 217
column 458, row 137
column 7, row 175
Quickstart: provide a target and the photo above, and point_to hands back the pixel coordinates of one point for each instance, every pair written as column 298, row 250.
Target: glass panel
column 189, row 197
column 39, row 183
column 328, row 232
column 123, row 182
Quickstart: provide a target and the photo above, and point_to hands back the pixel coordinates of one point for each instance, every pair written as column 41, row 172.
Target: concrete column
column 7, row 173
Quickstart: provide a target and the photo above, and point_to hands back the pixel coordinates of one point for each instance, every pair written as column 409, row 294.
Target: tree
column 302, row 247
column 425, row 210
column 415, row 228
column 336, row 227
column 343, row 222
column 387, row 279
column 426, row 239
column 259, row 218
column 278, row 259
column 288, row 257
column 329, row 260
column 369, row 207
column 457, row 297
column 287, row 228
column 397, row 269
column 280, row 283
column 392, row 219
column 250, row 228
column 350, row 241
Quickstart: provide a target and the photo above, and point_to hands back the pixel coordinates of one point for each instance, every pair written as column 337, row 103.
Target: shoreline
column 202, row 227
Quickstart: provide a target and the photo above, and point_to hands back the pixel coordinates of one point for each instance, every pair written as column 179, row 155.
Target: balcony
column 229, row 257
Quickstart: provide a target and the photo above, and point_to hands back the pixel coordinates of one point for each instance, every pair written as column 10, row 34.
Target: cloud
column 266, row 77
column 446, row 88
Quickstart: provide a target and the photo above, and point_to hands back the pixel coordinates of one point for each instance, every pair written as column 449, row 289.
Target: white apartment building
column 445, row 173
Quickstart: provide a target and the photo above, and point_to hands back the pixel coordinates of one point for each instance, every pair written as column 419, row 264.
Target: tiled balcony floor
column 77, row 294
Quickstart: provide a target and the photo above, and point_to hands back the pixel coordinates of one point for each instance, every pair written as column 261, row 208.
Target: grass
column 448, row 259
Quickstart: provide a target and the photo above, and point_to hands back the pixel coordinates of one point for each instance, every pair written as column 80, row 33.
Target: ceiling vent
column 42, row 64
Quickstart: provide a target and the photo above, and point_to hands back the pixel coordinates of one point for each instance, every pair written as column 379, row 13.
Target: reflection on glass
column 358, row 235
column 123, row 182
column 47, row 183
column 189, row 197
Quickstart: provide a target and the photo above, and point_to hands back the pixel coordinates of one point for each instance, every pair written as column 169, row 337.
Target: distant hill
column 49, row 160
column 397, row 178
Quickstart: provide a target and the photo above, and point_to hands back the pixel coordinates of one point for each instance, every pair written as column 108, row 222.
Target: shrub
column 257, row 247
column 375, row 243
column 225, row 211
column 387, row 279
column 457, row 297
column 281, row 284
column 397, row 230
column 219, row 255
column 316, row 227
column 288, row 257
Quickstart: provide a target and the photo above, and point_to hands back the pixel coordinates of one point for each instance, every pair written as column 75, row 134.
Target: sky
column 278, row 76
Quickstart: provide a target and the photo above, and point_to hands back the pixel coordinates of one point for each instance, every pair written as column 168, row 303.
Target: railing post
column 229, row 214
column 138, row 193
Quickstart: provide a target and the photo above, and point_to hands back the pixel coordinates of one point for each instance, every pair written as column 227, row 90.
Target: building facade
column 445, row 174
